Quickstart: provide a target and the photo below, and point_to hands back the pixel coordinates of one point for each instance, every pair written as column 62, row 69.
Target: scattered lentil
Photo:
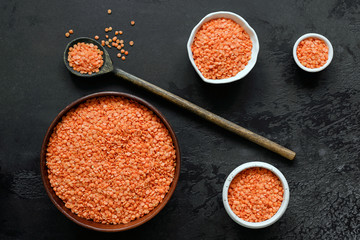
column 111, row 160
column 255, row 194
column 221, row 48
column 312, row 52
column 119, row 55
column 109, row 11
column 96, row 37
column 132, row 23
column 131, row 43
column 67, row 34
column 71, row 31
column 123, row 57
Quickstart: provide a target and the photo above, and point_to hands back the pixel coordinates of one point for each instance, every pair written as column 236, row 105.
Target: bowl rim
column 277, row 215
column 328, row 44
column 59, row 204
column 243, row 23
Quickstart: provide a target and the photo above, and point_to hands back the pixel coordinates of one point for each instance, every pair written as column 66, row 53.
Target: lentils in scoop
column 111, row 160
column 85, row 58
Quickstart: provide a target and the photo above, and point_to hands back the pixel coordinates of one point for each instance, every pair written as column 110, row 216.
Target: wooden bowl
column 89, row 223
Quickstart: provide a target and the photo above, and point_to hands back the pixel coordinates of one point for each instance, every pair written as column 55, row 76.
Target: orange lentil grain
column 71, row 31
column 111, row 160
column 123, row 57
column 312, row 52
column 106, row 29
column 221, row 48
column 131, row 43
column 85, row 58
column 96, row 37
column 118, row 55
column 110, row 40
column 120, row 32
column 67, row 34
column 110, row 29
column 132, row 23
column 106, row 36
column 255, row 194
column 102, row 43
column 109, row 11
column 126, row 52
column 116, row 32
column 122, row 51
column 114, row 39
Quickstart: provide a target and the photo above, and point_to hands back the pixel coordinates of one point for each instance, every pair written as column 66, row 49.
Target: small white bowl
column 278, row 214
column 321, row 37
column 239, row 20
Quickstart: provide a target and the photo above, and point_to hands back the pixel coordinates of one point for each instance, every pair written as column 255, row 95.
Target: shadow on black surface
column 307, row 79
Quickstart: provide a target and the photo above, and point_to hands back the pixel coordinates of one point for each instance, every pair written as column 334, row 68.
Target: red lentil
column 312, row 52
column 221, row 48
column 119, row 55
column 71, row 31
column 131, row 43
column 123, row 57
column 132, row 23
column 97, row 37
column 109, row 11
column 255, row 194
column 85, row 58
column 111, row 160
column 67, row 34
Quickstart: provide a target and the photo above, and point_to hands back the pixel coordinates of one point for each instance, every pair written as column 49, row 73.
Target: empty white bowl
column 328, row 44
column 239, row 20
column 278, row 214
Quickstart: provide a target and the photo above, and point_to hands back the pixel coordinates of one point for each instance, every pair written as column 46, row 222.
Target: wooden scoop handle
column 243, row 132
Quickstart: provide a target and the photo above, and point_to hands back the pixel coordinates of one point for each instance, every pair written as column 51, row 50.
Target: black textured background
column 316, row 115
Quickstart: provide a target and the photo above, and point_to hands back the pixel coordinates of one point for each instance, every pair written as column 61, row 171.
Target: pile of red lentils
column 221, row 48
column 111, row 160
column 255, row 194
column 312, row 52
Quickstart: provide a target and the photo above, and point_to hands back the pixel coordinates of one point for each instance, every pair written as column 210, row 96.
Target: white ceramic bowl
column 247, row 28
column 278, row 214
column 321, row 37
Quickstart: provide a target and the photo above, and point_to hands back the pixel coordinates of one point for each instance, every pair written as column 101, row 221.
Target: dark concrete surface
column 316, row 115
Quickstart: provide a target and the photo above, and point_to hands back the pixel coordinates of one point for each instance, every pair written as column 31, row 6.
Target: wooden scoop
column 243, row 132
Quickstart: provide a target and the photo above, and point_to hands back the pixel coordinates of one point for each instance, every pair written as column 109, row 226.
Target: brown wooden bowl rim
column 89, row 223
